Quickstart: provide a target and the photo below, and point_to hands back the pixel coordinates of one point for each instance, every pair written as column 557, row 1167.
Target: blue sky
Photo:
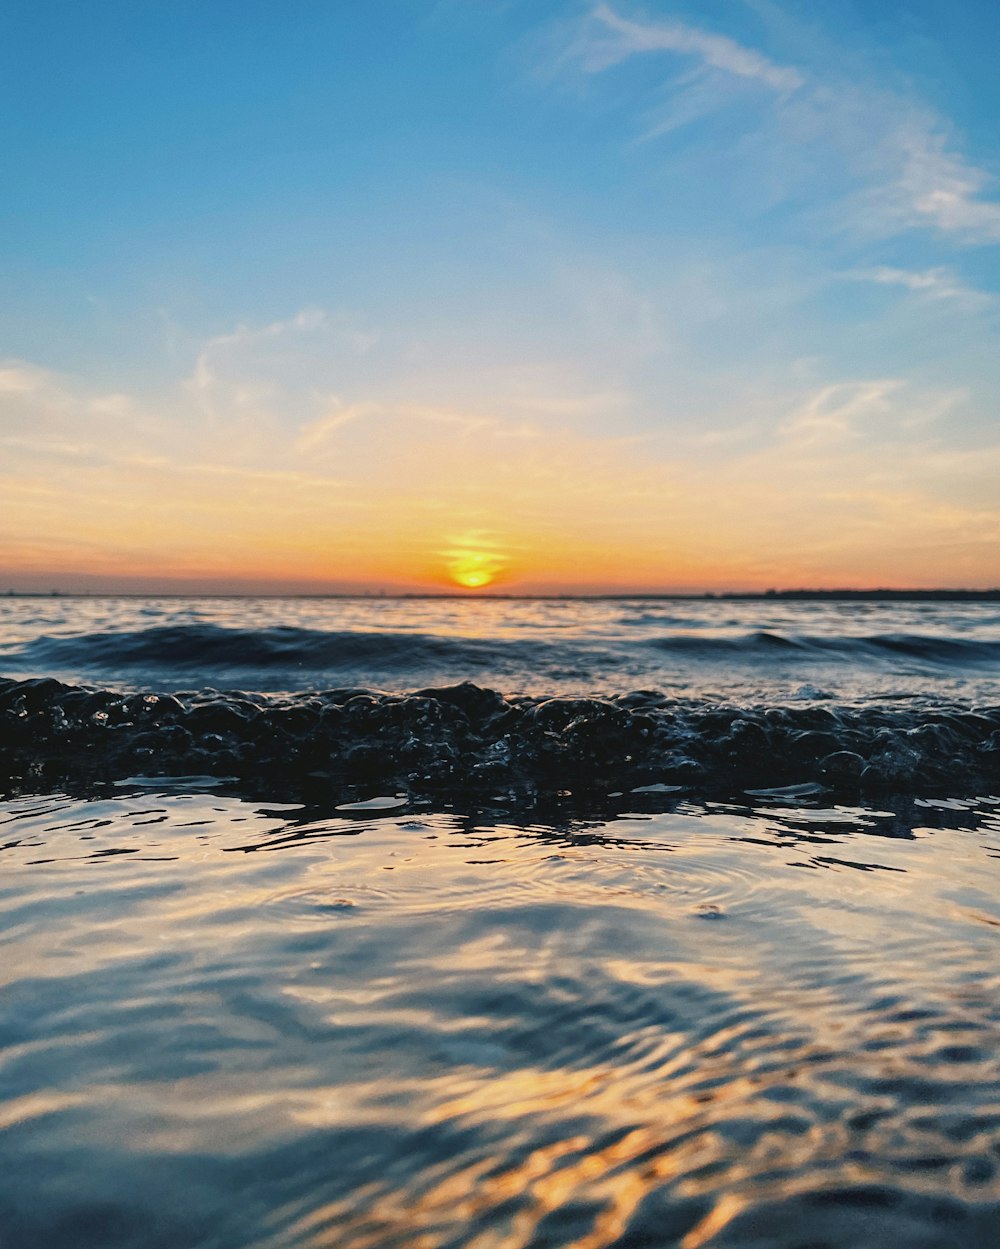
column 682, row 295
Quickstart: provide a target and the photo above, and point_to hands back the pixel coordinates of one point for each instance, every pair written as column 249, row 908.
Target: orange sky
column 119, row 493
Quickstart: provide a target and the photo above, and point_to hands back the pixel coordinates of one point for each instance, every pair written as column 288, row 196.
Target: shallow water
column 766, row 1023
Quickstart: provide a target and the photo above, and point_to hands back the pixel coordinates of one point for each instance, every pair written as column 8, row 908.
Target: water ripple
column 273, row 1025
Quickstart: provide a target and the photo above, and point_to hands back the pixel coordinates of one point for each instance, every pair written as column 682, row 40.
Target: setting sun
column 473, row 564
column 473, row 578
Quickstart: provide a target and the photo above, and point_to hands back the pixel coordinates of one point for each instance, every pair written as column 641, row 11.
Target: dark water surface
column 732, row 649
column 227, row 1024
column 499, row 925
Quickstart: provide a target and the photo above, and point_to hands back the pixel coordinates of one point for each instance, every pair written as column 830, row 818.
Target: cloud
column 933, row 186
column 944, row 191
column 244, row 335
column 884, row 161
column 614, row 38
column 933, row 284
column 223, row 374
column 838, row 412
column 17, row 378
column 314, row 434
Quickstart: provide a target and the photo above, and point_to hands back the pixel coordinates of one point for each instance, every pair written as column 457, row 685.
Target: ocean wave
column 464, row 736
column 219, row 648
column 200, row 648
column 770, row 643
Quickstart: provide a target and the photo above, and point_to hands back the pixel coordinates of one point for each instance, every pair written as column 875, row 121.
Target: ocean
column 499, row 924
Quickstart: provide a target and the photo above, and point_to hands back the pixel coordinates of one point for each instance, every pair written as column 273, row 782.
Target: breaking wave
column 465, row 737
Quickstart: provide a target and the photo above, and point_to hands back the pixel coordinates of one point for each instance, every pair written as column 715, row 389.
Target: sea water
column 593, row 942
column 767, row 649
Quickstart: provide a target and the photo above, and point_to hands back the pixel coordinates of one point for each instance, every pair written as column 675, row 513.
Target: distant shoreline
column 766, row 596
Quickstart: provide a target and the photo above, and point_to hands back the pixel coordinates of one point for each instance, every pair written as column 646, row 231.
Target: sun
column 472, row 580
column 472, row 566
column 472, row 570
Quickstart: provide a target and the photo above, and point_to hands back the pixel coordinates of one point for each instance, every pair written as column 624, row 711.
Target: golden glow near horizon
column 419, row 497
column 471, row 578
column 471, row 565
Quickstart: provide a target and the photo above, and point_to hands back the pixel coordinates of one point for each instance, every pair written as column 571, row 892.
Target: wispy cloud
column 829, row 123
column 936, row 187
column 612, row 38
column 839, row 412
column 315, row 434
column 244, row 336
column 227, row 354
column 17, row 378
column 940, row 282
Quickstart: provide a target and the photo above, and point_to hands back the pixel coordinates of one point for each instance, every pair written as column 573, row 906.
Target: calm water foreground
column 225, row 1024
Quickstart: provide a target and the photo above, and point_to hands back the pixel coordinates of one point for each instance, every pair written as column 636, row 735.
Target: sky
column 519, row 295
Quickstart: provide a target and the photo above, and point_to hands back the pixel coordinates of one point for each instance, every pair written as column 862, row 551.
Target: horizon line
column 844, row 592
